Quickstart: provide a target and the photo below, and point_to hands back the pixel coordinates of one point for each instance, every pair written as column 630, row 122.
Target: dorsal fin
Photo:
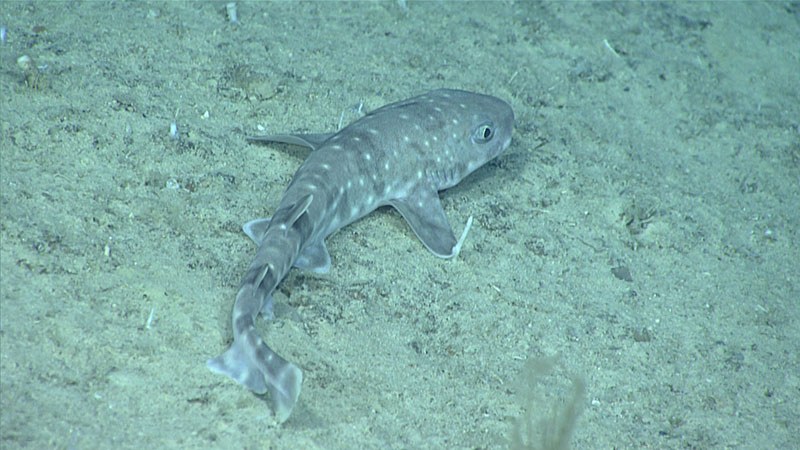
column 299, row 208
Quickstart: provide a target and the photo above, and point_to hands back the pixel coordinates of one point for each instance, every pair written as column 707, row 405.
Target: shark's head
column 491, row 124
column 476, row 129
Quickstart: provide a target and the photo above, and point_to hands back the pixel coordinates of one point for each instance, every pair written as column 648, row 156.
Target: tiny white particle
column 336, row 147
column 463, row 106
column 325, row 166
column 419, row 204
column 394, row 153
column 353, row 212
column 455, row 121
column 357, row 139
column 404, row 116
column 150, row 318
column 437, row 109
column 370, row 199
column 360, row 181
column 367, row 156
column 312, row 187
column 349, row 184
column 438, row 159
column 374, row 177
column 455, row 136
column 405, row 138
column 373, row 131
column 386, row 166
column 427, row 144
column 419, row 174
column 417, row 127
column 435, row 139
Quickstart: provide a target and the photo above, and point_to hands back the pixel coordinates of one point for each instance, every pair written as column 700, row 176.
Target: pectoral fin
column 312, row 141
column 424, row 213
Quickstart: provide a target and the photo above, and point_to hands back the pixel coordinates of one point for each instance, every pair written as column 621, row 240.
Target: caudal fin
column 266, row 371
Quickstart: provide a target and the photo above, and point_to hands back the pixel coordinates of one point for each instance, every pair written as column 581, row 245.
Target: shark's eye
column 484, row 133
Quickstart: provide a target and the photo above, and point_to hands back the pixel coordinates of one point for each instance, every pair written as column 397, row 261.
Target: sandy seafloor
column 643, row 227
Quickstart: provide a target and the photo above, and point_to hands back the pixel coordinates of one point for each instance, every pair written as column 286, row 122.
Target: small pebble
column 231, row 9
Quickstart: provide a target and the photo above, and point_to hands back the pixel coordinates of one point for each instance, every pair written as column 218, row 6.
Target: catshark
column 402, row 155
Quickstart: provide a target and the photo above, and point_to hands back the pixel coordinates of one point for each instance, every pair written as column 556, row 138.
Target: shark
column 400, row 155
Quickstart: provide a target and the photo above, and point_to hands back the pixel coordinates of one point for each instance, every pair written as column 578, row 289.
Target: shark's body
column 400, row 155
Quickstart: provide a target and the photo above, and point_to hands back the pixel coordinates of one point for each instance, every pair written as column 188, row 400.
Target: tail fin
column 268, row 372
column 250, row 361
